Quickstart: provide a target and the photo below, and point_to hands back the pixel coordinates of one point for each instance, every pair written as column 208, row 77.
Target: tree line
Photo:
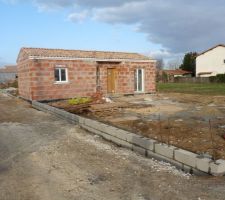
column 188, row 63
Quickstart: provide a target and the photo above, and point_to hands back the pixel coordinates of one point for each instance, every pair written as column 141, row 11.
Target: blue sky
column 23, row 25
column 160, row 28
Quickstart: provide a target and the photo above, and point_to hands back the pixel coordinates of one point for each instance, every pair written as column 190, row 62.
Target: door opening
column 111, row 77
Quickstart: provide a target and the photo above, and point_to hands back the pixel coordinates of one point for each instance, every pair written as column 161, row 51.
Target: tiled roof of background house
column 177, row 72
column 9, row 69
column 25, row 53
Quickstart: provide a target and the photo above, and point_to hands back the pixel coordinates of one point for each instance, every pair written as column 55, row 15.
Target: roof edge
column 91, row 59
column 27, row 53
column 83, row 50
column 219, row 45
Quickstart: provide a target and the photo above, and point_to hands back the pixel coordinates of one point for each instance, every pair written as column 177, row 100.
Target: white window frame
column 60, row 67
column 143, row 80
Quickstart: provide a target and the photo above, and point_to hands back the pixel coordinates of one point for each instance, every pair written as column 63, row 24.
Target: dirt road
column 45, row 158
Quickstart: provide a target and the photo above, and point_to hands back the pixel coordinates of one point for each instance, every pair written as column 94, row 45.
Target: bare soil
column 43, row 158
column 192, row 122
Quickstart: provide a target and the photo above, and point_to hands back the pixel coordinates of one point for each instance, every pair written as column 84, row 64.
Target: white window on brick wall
column 61, row 75
column 139, row 80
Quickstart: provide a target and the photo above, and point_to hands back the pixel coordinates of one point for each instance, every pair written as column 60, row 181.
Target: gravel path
column 43, row 157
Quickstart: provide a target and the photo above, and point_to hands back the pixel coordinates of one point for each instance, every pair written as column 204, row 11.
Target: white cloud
column 78, row 17
column 177, row 25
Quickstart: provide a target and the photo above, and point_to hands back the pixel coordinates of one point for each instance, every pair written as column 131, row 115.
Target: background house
column 8, row 73
column 211, row 62
column 169, row 75
column 46, row 74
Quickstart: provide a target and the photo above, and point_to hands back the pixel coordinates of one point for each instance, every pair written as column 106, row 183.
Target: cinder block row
column 108, row 137
column 58, row 112
column 185, row 160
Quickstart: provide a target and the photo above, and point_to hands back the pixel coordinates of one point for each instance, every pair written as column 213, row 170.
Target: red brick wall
column 41, row 84
column 37, row 82
column 24, row 79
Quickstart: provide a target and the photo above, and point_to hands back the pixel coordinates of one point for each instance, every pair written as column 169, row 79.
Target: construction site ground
column 188, row 121
column 43, row 157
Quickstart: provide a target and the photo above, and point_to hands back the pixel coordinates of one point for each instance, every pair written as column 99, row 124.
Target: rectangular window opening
column 61, row 75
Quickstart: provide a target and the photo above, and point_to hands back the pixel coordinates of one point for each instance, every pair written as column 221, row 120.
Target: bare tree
column 159, row 64
column 175, row 63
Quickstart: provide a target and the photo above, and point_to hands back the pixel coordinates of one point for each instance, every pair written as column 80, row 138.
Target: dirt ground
column 192, row 122
column 43, row 157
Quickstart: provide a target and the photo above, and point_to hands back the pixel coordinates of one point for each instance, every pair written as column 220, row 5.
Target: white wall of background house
column 211, row 62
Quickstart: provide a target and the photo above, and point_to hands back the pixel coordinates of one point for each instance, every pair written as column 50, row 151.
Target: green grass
column 79, row 100
column 193, row 88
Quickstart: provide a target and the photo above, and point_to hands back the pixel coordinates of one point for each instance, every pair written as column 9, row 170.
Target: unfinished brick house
column 50, row 74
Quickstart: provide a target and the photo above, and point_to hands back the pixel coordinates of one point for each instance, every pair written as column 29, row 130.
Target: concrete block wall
column 182, row 159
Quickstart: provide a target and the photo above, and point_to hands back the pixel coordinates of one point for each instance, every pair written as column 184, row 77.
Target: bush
column 219, row 78
column 79, row 100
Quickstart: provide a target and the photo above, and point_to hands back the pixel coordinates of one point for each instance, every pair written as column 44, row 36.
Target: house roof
column 43, row 53
column 177, row 72
column 9, row 69
column 219, row 45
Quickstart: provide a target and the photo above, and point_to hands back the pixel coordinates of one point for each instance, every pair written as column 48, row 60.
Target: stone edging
column 182, row 159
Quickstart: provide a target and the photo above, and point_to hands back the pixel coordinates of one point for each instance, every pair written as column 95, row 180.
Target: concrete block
column 121, row 143
column 100, row 126
column 95, row 131
column 103, row 127
column 81, row 120
column 75, row 118
column 199, row 172
column 142, row 142
column 91, row 123
column 107, row 137
column 58, row 111
column 156, row 156
column 185, row 157
column 139, row 150
column 111, row 130
column 217, row 168
column 165, row 150
column 122, row 134
column 90, row 129
column 203, row 164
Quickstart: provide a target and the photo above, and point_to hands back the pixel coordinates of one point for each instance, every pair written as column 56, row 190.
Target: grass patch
column 193, row 88
column 79, row 100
